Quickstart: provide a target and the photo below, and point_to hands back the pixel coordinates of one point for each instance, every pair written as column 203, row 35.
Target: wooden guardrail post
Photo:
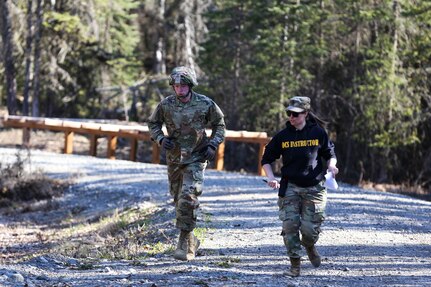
column 133, row 149
column 68, row 142
column 112, row 145
column 93, row 145
column 26, row 137
column 219, row 160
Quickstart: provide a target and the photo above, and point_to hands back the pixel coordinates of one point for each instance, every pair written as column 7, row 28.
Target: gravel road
column 369, row 238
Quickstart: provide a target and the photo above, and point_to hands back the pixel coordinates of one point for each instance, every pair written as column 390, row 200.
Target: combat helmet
column 183, row 75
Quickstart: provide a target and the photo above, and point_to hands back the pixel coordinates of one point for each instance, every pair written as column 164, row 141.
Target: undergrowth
column 131, row 234
column 19, row 184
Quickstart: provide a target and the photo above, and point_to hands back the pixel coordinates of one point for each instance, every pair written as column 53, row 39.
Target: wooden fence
column 112, row 132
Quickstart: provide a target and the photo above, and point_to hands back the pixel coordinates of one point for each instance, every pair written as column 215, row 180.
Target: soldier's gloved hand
column 167, row 144
column 209, row 154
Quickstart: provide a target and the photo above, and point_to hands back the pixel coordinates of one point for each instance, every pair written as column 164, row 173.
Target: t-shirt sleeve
column 272, row 151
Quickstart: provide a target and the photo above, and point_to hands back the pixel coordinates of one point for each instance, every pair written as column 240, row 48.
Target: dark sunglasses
column 293, row 114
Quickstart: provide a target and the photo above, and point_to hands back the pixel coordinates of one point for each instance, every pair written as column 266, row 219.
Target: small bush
column 18, row 184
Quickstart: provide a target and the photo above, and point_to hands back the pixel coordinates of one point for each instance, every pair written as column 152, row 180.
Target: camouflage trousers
column 302, row 211
column 185, row 185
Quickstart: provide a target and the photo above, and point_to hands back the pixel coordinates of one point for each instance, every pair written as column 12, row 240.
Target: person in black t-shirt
column 302, row 194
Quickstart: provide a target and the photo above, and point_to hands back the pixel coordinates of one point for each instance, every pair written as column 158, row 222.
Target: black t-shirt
column 302, row 152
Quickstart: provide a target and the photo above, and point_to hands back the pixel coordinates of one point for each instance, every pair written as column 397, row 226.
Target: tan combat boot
column 295, row 267
column 313, row 255
column 181, row 252
column 193, row 245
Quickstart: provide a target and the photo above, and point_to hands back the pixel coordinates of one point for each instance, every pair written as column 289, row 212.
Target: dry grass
column 19, row 185
column 131, row 234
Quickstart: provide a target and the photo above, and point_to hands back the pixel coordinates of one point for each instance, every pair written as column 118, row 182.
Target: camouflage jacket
column 185, row 124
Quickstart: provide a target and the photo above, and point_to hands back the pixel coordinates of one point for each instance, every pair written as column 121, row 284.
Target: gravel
column 369, row 238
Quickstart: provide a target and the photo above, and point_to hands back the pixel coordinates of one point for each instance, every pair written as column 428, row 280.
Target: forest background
column 366, row 65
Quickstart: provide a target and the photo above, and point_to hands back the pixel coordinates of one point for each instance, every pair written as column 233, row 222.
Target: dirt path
column 369, row 238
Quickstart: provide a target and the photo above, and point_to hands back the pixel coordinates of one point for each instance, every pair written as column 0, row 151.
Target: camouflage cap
column 299, row 104
column 183, row 75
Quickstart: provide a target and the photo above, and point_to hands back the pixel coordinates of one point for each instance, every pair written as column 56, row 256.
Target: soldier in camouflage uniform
column 188, row 148
column 302, row 195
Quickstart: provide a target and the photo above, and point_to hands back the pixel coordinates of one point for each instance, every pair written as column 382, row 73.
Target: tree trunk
column 160, row 52
column 285, row 69
column 50, row 93
column 355, row 88
column 319, row 76
column 37, row 54
column 9, row 58
column 186, row 43
column 236, row 98
column 28, row 50
column 392, row 92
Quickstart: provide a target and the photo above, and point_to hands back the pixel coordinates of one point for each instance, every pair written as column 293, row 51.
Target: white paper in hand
column 330, row 181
